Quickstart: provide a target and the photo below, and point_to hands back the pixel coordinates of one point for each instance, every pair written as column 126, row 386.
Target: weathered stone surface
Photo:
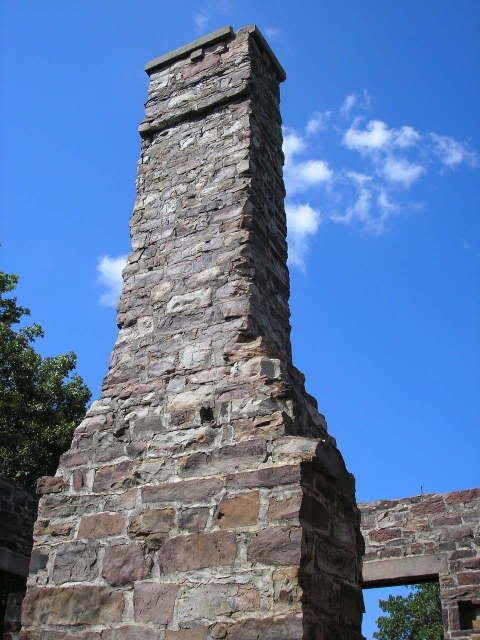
column 47, row 484
column 239, row 511
column 183, row 491
column 75, row 562
column 203, row 428
column 196, row 633
column 197, row 551
column 212, row 600
column 276, row 545
column 151, row 522
column 113, row 476
column 124, row 563
column 101, row 525
column 154, row 602
column 131, row 632
column 433, row 536
column 284, row 507
column 71, row 605
column 281, row 628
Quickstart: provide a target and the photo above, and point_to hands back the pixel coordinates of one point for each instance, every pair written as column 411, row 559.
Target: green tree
column 41, row 399
column 417, row 616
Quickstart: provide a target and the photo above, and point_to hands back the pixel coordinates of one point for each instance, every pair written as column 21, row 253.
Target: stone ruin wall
column 429, row 537
column 202, row 497
column 17, row 513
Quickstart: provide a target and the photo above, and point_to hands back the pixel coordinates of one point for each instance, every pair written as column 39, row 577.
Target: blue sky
column 380, row 110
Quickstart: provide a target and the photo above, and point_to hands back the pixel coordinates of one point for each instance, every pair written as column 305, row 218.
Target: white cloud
column 318, row 122
column 201, row 20
column 292, row 144
column 376, row 135
column 452, row 152
column 299, row 175
column 401, row 171
column 387, row 160
column 303, row 221
column 110, row 276
column 314, row 171
column 406, row 136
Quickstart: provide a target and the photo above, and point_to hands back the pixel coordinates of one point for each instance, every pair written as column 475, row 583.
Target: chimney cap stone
column 225, row 33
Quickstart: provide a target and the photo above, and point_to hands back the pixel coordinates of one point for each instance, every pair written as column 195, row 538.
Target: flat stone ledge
column 162, row 61
column 225, row 33
column 406, row 570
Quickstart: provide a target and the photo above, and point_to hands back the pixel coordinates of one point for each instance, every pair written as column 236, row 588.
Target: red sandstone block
column 284, row 508
column 184, row 491
column 281, row 628
column 131, row 632
column 465, row 496
column 125, row 563
column 268, row 477
column 198, row 633
column 151, row 522
column 276, row 545
column 79, row 479
column 431, row 505
column 382, row 535
column 196, row 551
column 112, row 476
column 239, row 511
column 76, row 605
column 101, row 525
column 194, row 519
column 48, row 484
column 241, row 455
column 154, row 602
column 469, row 577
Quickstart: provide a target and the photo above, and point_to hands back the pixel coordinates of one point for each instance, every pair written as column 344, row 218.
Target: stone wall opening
column 469, row 614
column 371, row 601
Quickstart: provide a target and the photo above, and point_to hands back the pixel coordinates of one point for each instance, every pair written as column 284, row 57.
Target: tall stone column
column 202, row 497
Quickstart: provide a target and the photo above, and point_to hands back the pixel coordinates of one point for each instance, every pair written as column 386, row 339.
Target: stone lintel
column 225, row 33
column 407, row 570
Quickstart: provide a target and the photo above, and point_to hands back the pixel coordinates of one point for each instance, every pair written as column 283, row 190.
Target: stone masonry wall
column 18, row 508
column 202, row 497
column 435, row 536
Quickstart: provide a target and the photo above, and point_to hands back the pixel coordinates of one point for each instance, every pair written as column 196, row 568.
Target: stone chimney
column 202, row 497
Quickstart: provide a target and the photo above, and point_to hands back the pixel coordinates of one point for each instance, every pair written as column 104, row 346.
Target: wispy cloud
column 109, row 272
column 318, row 122
column 360, row 101
column 372, row 186
column 453, row 152
column 402, row 172
column 201, row 20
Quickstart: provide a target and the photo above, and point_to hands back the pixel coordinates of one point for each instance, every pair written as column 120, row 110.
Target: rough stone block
column 154, row 602
column 276, row 546
column 196, row 551
column 80, row 604
column 125, row 563
column 101, row 525
column 239, row 511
